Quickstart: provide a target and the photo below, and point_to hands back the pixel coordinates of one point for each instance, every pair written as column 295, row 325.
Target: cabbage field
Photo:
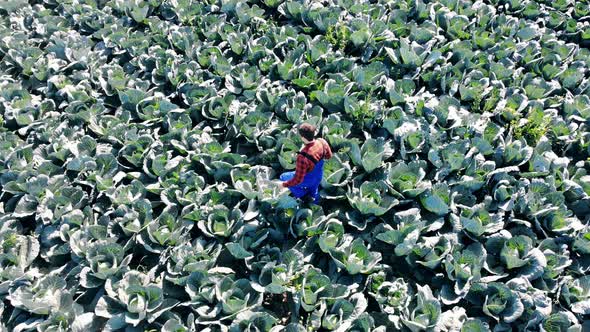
column 139, row 139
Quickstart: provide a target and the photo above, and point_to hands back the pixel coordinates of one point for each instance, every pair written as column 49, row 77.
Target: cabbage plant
column 408, row 179
column 426, row 312
column 372, row 198
column 137, row 298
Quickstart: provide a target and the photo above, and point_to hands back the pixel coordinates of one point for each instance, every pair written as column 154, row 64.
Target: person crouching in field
column 305, row 181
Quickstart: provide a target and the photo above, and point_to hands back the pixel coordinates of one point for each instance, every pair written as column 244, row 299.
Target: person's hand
column 278, row 184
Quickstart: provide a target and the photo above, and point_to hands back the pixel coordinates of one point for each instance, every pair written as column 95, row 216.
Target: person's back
column 318, row 149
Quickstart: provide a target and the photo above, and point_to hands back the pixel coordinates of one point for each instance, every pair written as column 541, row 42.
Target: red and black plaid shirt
column 303, row 165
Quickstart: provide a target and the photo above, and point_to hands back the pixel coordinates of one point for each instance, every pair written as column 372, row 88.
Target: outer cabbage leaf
column 372, row 198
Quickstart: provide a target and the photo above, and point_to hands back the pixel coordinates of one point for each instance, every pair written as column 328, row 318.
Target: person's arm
column 327, row 149
column 301, row 167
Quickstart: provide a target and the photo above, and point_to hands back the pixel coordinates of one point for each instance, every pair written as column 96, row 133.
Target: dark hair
column 307, row 131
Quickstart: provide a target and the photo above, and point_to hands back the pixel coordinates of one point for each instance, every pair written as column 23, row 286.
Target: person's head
column 307, row 132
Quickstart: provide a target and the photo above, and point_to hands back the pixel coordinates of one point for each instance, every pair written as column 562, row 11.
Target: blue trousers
column 310, row 184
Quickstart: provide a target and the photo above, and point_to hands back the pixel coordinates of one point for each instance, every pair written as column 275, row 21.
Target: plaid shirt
column 303, row 165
